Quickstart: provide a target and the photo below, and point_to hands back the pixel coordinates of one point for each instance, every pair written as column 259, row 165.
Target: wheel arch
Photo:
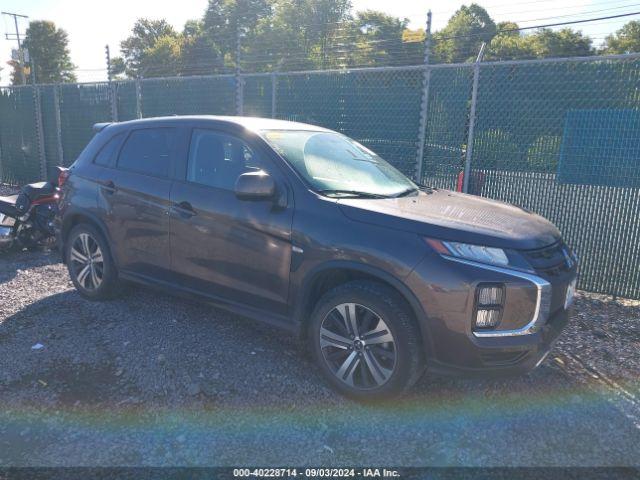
column 332, row 274
column 77, row 217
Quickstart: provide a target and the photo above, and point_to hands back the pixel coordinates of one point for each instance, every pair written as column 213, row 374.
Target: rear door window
column 149, row 151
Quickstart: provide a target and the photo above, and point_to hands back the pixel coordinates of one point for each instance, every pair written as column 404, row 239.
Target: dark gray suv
column 310, row 231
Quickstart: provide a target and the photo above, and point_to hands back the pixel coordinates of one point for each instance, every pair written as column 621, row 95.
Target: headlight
column 480, row 254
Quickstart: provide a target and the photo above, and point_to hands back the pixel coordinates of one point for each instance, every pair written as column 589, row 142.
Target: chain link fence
column 560, row 137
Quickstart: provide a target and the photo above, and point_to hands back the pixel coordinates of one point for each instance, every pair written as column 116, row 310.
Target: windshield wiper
column 425, row 188
column 406, row 192
column 352, row 193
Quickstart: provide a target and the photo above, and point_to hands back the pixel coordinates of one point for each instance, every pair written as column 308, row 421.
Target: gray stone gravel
column 153, row 380
column 7, row 189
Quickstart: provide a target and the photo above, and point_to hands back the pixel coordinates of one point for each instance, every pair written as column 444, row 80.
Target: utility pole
column 17, row 37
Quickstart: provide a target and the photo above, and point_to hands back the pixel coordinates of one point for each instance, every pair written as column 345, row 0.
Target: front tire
column 90, row 264
column 366, row 341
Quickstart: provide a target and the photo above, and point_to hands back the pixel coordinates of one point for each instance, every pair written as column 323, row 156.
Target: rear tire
column 91, row 267
column 366, row 341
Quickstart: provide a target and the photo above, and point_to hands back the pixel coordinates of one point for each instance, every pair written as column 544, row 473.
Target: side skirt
column 279, row 321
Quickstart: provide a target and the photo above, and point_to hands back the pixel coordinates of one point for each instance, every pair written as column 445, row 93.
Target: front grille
column 553, row 260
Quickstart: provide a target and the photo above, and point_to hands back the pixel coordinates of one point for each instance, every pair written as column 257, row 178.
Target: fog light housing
column 489, row 303
column 486, row 318
column 490, row 295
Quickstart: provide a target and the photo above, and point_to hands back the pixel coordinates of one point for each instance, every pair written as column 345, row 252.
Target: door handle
column 108, row 186
column 184, row 209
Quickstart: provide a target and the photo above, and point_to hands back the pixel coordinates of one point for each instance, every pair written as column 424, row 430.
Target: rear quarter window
column 149, row 151
column 106, row 155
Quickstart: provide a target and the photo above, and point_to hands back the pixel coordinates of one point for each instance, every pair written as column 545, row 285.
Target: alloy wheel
column 358, row 346
column 87, row 261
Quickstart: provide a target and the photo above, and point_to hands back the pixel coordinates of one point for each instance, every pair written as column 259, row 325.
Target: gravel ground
column 153, row 380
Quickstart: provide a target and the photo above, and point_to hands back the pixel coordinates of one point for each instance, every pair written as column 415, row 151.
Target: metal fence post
column 37, row 99
column 58, row 123
column 239, row 79
column 274, row 94
column 472, row 120
column 239, row 95
column 424, row 105
column 113, row 97
column 138, row 97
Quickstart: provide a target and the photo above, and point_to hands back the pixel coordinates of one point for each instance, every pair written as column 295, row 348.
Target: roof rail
column 98, row 127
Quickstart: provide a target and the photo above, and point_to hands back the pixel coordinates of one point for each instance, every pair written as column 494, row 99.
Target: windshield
column 336, row 165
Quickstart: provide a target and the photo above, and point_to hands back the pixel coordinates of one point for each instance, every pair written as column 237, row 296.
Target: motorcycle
column 26, row 219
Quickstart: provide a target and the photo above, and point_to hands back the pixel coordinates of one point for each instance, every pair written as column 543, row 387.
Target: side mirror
column 255, row 186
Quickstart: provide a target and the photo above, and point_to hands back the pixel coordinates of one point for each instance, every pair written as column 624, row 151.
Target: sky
column 93, row 24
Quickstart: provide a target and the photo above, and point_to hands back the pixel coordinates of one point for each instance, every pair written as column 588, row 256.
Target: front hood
column 457, row 217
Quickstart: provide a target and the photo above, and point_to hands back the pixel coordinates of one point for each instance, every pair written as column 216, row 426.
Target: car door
column 136, row 197
column 237, row 250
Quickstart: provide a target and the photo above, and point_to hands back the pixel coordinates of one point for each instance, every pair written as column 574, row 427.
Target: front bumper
column 534, row 316
column 508, row 355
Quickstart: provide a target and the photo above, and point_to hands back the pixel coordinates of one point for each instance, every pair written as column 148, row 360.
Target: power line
column 548, row 25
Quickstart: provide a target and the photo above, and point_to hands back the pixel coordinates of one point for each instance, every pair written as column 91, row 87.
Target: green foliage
column 309, row 34
column 542, row 44
column 118, row 67
column 381, row 39
column 625, row 40
column 461, row 39
column 561, row 43
column 142, row 41
column 49, row 52
column 496, row 149
column 224, row 20
column 542, row 154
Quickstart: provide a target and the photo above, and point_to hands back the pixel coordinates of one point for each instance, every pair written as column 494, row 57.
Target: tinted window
column 108, row 152
column 217, row 159
column 149, row 151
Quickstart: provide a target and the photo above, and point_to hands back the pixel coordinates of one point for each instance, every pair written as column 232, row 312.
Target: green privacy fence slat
column 19, row 155
column 447, row 122
column 183, row 96
column 50, row 132
column 126, row 100
column 527, row 115
column 257, row 96
column 80, row 107
column 380, row 109
column 557, row 137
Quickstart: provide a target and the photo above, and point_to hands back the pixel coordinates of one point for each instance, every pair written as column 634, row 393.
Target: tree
column 163, row 58
column 379, row 39
column 118, row 67
column 49, row 52
column 144, row 36
column 224, row 20
column 301, row 34
column 466, row 30
column 562, row 43
column 199, row 53
column 509, row 44
column 542, row 44
column 625, row 40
